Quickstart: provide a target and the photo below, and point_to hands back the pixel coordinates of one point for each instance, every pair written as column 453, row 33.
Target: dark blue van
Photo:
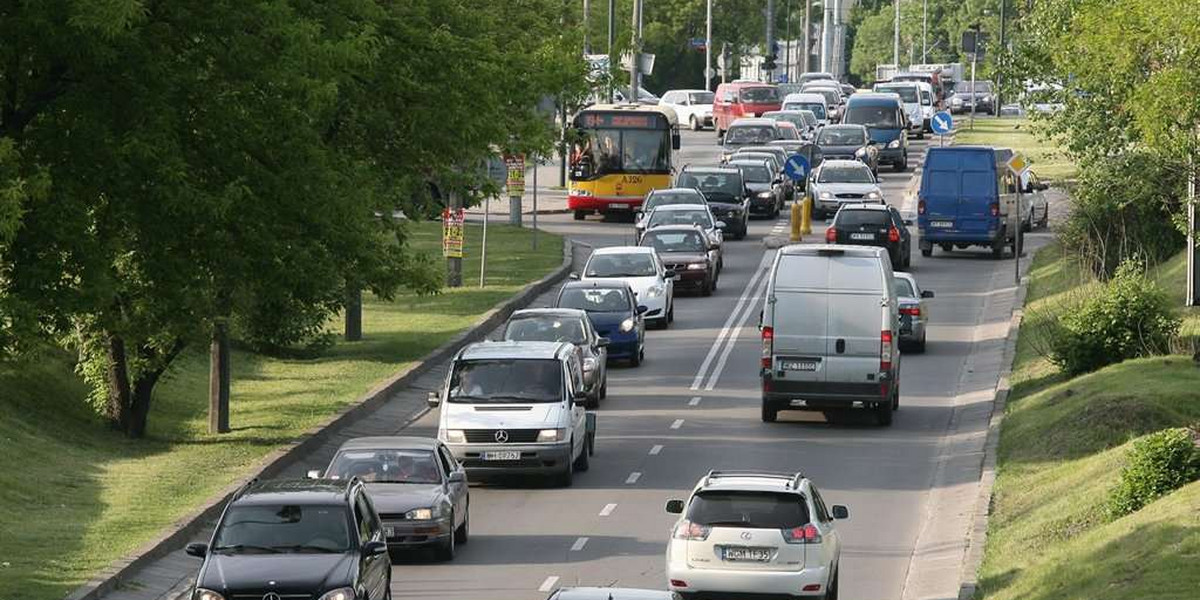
column 883, row 116
column 967, row 198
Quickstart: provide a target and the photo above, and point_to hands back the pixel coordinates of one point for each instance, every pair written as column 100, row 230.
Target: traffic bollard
column 796, row 218
column 806, row 220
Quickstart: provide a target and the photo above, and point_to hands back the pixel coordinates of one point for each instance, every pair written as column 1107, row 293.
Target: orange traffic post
column 806, row 219
column 797, row 225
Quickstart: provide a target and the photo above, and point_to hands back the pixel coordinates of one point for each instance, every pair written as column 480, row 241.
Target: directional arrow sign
column 796, row 167
column 942, row 123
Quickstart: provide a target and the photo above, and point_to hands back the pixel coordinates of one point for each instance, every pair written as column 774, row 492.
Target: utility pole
column 1193, row 253
column 770, row 50
column 896, row 37
column 827, row 37
column 587, row 46
column 924, row 31
column 807, row 45
column 612, row 29
column 635, row 52
column 454, row 264
column 708, row 74
column 787, row 52
column 1001, row 49
column 838, row 41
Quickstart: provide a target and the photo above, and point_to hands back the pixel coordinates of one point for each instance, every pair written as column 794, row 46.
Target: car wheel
column 998, row 247
column 769, row 414
column 927, row 252
column 604, row 387
column 832, row 587
column 947, row 247
column 695, row 124
column 449, row 548
column 593, row 401
column 582, row 463
column 580, row 215
column 636, row 361
column 921, row 135
column 707, row 288
column 901, row 165
column 883, row 413
column 671, row 313
column 463, row 533
column 919, row 347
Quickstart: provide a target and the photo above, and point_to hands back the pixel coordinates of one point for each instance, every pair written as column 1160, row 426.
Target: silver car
column 837, row 182
column 914, row 310
column 566, row 325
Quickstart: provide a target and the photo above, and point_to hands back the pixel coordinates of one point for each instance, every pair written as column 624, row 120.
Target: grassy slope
column 1046, row 160
column 1061, row 450
column 74, row 496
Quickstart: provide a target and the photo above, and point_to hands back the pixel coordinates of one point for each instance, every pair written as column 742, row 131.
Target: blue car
column 883, row 116
column 614, row 312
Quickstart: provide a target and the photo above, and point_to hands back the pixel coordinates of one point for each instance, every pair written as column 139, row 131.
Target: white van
column 516, row 407
column 830, row 332
column 812, row 102
column 910, row 97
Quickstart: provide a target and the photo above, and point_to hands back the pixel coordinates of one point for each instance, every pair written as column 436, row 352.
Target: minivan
column 968, row 197
column 516, row 408
column 739, row 99
column 808, row 101
column 910, row 96
column 883, row 116
column 830, row 325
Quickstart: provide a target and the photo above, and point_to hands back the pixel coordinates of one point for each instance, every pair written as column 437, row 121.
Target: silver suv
column 754, row 532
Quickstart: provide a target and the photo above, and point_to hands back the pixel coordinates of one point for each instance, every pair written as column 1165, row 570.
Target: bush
column 1158, row 464
column 1130, row 317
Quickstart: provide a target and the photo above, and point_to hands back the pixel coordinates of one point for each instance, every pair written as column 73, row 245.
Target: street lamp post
column 896, row 37
column 708, row 47
column 924, row 30
column 635, row 54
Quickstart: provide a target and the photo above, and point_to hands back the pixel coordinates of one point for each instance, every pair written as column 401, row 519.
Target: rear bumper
column 816, row 395
column 604, row 204
column 929, row 235
column 722, row 581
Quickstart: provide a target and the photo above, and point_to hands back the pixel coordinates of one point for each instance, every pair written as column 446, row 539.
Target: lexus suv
column 755, row 533
column 318, row 539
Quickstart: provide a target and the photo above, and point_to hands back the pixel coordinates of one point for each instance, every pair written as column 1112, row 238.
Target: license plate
column 739, row 553
column 862, row 236
column 502, row 455
column 389, row 531
column 798, row 365
column 942, row 224
column 618, row 207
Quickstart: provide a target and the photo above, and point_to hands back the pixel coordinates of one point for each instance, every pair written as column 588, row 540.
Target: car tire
column 947, row 247
column 919, row 347
column 707, row 288
column 580, row 215
column 883, row 413
column 998, row 248
column 566, row 478
column 604, row 387
column 921, row 134
column 927, row 252
column 582, row 463
column 463, row 533
column 670, row 314
column 593, row 401
column 695, row 123
column 832, row 587
column 636, row 360
column 449, row 548
column 769, row 414
column 901, row 165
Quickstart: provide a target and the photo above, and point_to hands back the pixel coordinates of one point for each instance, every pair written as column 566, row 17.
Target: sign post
column 452, row 241
column 536, row 162
column 1018, row 165
column 516, row 186
column 797, row 168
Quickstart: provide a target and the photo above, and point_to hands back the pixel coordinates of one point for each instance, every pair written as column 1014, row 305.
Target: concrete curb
column 977, row 536
column 185, row 529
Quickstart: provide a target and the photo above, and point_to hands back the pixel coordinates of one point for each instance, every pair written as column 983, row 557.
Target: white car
column 643, row 270
column 811, row 102
column 910, row 97
column 928, row 106
column 1034, row 191
column 693, row 107
column 755, row 532
column 837, row 182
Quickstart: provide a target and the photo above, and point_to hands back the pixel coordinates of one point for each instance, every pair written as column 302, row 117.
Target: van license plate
column 740, row 553
column 798, row 365
column 942, row 224
column 502, row 455
column 862, row 236
column 618, row 207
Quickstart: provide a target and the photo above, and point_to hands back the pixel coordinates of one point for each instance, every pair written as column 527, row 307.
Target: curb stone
column 183, row 530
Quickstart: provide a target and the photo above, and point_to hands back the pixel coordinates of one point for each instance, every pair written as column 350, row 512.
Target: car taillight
column 995, row 208
column 687, row 530
column 893, row 235
column 885, row 350
column 911, row 310
column 921, row 206
column 831, row 235
column 768, row 344
column 807, row 534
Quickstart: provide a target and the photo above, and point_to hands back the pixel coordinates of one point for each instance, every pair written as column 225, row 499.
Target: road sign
column 452, row 233
column 796, row 167
column 516, row 174
column 942, row 123
column 1017, row 164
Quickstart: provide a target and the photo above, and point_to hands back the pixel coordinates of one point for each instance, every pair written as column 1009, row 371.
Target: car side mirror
column 313, row 474
column 458, row 477
column 197, row 549
column 675, row 507
column 642, row 308
column 675, row 141
column 777, row 181
column 840, row 512
column 927, row 294
column 668, row 273
column 375, row 548
column 433, row 399
column 603, row 342
column 574, row 275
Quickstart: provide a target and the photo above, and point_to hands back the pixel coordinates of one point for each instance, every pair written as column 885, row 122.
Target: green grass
column 1062, row 447
column 76, row 496
column 1046, row 158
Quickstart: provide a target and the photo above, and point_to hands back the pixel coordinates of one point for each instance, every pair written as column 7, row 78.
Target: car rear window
column 856, row 218
column 594, row 299
column 753, row 510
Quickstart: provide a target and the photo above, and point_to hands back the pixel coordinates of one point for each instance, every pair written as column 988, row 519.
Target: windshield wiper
column 242, row 547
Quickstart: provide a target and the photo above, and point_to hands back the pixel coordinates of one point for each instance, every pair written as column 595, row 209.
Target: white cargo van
column 830, row 331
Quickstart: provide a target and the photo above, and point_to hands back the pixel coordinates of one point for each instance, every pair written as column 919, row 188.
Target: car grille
column 677, row 267
column 852, row 196
column 839, row 157
column 259, row 596
column 392, row 517
column 488, row 436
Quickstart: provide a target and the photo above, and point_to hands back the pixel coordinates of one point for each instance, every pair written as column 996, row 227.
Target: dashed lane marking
column 633, row 478
column 656, row 449
column 608, row 510
column 548, row 584
column 677, row 424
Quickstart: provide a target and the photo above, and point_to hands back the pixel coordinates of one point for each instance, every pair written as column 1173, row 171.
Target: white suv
column 754, row 532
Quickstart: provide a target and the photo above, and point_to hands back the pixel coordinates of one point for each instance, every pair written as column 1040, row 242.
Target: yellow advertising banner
column 452, row 233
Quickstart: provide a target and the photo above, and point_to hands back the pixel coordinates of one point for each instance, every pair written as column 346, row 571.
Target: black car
column 726, row 194
column 296, row 539
column 873, row 225
column 849, row 142
column 766, row 187
column 687, row 250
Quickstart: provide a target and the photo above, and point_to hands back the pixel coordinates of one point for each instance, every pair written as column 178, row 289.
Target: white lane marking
column 716, row 345
column 608, row 510
column 736, row 332
column 656, row 449
column 579, row 544
column 548, row 584
column 677, row 424
column 694, row 401
column 633, row 477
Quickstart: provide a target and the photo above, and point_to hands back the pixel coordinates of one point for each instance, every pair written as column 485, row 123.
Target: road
column 694, row 406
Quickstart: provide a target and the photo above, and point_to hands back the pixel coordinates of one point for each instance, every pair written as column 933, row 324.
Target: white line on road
column 548, row 584
column 633, row 477
column 578, row 545
column 677, row 424
column 608, row 510
column 656, row 449
column 716, row 345
column 735, row 332
column 695, row 401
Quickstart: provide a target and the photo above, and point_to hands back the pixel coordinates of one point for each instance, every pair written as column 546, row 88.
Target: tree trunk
column 117, row 410
column 219, row 379
column 139, row 410
column 353, row 314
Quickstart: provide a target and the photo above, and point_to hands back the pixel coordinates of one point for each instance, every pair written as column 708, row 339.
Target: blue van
column 883, row 116
column 968, row 197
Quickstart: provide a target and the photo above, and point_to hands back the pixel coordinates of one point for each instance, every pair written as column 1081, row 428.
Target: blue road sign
column 942, row 123
column 796, row 167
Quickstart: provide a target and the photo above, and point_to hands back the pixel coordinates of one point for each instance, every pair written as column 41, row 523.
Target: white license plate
column 862, row 236
column 942, row 224
column 798, row 365
column 618, row 207
column 739, row 553
column 502, row 455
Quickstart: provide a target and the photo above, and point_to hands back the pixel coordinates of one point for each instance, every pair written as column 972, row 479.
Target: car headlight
column 764, row 195
column 454, row 436
column 420, row 514
column 873, row 195
column 894, row 144
column 826, row 195
column 203, row 594
column 656, row 291
column 340, row 594
column 860, row 152
column 697, row 266
column 626, row 325
column 552, row 435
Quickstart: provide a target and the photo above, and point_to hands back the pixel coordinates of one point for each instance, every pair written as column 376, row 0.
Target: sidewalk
column 551, row 198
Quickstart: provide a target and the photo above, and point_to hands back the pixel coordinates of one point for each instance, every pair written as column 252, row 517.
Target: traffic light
column 769, row 63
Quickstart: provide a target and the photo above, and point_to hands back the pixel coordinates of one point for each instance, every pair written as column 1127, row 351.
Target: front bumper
column 762, row 206
column 746, row 582
column 891, row 155
column 535, row 458
column 690, row 279
column 622, row 345
column 411, row 534
column 656, row 307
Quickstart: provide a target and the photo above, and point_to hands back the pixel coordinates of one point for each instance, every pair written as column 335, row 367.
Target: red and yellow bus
column 621, row 152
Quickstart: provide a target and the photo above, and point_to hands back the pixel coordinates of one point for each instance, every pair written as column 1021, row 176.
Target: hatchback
column 873, row 225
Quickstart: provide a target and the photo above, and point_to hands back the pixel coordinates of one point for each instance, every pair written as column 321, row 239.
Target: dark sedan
column 766, row 187
column 615, row 314
column 849, row 142
column 873, row 225
column 685, row 248
column 725, row 192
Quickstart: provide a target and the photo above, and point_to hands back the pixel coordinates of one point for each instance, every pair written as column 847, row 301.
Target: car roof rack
column 793, row 479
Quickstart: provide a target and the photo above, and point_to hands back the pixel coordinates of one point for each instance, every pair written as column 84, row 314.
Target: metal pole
column 838, row 42
column 826, row 35
column 974, row 59
column 536, row 163
column 999, row 77
column 635, row 54
column 587, row 46
column 454, row 264
column 708, row 46
column 807, row 46
column 896, row 37
column 1193, row 255
column 924, row 31
column 612, row 28
column 483, row 246
column 787, row 52
column 1020, row 236
column 770, row 74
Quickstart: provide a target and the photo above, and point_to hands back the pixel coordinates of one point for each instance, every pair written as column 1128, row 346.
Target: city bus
column 620, row 153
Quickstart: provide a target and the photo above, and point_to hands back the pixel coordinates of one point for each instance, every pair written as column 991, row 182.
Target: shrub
column 1130, row 317
column 1157, row 464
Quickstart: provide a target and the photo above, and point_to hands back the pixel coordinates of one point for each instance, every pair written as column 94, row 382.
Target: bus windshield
column 608, row 151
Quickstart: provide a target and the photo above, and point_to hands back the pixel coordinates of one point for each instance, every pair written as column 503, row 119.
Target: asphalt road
column 694, row 406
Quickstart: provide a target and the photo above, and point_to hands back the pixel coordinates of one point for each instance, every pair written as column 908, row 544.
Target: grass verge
column 1046, row 158
column 1062, row 447
column 75, row 496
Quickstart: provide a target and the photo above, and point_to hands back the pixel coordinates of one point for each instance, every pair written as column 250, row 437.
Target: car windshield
column 903, row 288
column 622, row 265
column 760, row 95
column 594, row 299
column 873, row 115
column 907, row 93
column 981, row 87
column 545, row 329
column 385, row 466
column 755, row 173
column 701, row 97
column 277, row 528
column 841, row 136
column 506, row 380
column 665, row 198
column 794, row 118
column 750, row 510
column 832, row 96
column 678, row 217
column 817, row 109
column 722, row 184
column 750, row 134
column 809, row 117
column 846, row 174
column 858, row 218
column 675, row 241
